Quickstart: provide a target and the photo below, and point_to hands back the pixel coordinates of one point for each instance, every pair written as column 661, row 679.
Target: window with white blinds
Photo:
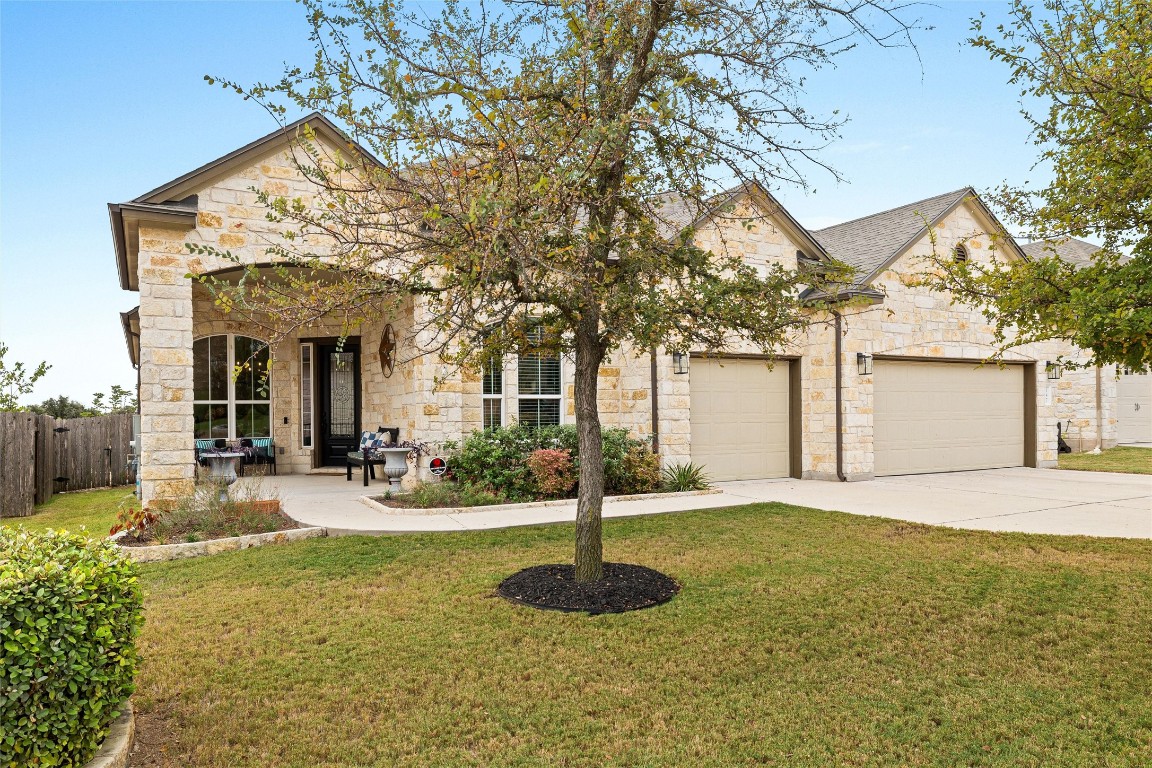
column 538, row 401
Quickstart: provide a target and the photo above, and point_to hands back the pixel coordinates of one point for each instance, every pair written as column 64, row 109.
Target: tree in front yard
column 1088, row 63
column 540, row 168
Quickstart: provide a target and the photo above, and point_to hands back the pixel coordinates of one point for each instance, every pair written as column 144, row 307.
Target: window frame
column 307, row 406
column 232, row 401
column 496, row 364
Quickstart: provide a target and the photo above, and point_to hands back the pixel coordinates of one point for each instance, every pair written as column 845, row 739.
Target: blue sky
column 101, row 102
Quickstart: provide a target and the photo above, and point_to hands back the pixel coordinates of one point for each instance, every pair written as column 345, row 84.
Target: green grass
column 95, row 510
column 801, row 638
column 1136, row 461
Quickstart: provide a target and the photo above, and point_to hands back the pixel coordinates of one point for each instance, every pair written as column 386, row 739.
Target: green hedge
column 497, row 459
column 70, row 612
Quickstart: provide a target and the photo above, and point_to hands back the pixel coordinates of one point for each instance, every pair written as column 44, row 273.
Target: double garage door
column 946, row 417
column 928, row 417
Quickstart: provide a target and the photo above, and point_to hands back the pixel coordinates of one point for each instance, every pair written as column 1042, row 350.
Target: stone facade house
column 899, row 389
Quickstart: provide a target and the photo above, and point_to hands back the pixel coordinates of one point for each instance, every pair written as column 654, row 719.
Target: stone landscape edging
column 118, row 743
column 420, row 512
column 161, row 552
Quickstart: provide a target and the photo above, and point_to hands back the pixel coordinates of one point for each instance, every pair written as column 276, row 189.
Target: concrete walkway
column 1026, row 500
column 1019, row 499
column 336, row 504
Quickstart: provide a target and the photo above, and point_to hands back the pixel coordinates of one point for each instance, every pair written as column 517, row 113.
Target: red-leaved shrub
column 553, row 471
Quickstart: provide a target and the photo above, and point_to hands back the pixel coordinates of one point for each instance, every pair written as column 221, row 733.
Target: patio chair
column 369, row 442
column 265, row 451
column 201, row 447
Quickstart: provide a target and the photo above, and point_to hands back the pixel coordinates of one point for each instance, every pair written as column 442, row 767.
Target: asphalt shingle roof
column 1075, row 252
column 868, row 242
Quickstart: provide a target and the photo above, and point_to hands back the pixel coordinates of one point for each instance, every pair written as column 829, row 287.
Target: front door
column 339, row 396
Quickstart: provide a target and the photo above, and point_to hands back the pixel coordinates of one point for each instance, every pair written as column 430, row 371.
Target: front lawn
column 95, row 510
column 801, row 638
column 1136, row 461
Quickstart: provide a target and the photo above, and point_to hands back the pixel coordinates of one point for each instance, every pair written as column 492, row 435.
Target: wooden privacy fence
column 40, row 455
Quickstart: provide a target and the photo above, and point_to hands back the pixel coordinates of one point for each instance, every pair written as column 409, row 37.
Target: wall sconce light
column 863, row 364
column 1054, row 370
column 679, row 362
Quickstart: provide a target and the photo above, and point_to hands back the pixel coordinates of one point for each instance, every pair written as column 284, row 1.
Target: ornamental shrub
column 70, row 613
column 498, row 459
column 553, row 471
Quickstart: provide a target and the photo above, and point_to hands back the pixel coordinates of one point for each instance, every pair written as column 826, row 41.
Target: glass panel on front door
column 342, row 394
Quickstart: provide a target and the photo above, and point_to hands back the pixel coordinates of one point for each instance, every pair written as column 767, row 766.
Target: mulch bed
column 624, row 587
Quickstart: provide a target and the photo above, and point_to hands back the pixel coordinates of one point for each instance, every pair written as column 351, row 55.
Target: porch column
column 167, row 458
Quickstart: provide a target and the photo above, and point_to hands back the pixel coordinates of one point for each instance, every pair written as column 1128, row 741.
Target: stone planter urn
column 395, row 465
column 222, row 470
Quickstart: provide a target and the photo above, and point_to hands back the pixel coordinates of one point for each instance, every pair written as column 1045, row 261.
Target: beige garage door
column 740, row 418
column 944, row 417
column 1134, row 408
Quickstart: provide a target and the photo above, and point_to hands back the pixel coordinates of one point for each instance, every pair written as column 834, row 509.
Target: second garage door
column 1134, row 408
column 945, row 417
column 739, row 418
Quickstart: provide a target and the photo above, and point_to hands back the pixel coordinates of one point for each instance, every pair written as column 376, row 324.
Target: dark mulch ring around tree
column 624, row 587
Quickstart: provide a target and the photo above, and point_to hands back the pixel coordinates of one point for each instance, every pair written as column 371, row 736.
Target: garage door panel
column 1134, row 408
column 739, row 419
column 941, row 417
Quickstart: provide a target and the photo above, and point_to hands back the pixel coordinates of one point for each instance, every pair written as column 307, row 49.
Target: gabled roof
column 175, row 203
column 678, row 214
column 872, row 243
column 1070, row 250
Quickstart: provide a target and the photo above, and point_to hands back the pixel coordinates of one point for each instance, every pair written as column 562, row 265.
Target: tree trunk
column 590, row 504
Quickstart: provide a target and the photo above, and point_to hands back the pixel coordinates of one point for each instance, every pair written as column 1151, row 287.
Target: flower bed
column 202, row 516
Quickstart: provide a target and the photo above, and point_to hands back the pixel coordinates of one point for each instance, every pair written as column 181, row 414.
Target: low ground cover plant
column 500, row 460
column 70, row 613
column 684, row 477
column 203, row 515
column 442, row 494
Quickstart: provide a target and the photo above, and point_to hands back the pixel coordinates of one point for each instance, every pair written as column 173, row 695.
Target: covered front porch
column 305, row 399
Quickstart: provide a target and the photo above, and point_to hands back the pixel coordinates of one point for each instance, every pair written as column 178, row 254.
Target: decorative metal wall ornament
column 388, row 350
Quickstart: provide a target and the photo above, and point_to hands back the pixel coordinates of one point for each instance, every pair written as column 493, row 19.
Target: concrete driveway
column 1019, row 499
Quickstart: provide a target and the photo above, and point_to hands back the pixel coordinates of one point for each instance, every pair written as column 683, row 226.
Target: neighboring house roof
column 1070, row 250
column 872, row 243
column 174, row 203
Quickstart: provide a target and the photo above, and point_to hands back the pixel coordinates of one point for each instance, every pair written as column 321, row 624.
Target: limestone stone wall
column 915, row 322
column 746, row 232
column 167, row 461
column 231, row 218
column 911, row 322
column 431, row 401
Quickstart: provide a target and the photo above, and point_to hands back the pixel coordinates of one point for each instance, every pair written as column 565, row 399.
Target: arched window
column 960, row 254
column 226, row 405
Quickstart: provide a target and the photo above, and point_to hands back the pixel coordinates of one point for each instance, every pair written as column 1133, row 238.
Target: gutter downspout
column 655, row 404
column 839, row 400
column 1099, row 412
